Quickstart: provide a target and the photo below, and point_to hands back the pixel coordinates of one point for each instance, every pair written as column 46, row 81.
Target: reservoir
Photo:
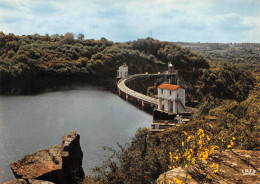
column 29, row 123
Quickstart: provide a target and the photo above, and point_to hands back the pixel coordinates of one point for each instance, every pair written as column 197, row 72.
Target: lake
column 29, row 123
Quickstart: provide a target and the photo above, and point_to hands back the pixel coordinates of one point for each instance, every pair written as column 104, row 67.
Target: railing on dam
column 122, row 87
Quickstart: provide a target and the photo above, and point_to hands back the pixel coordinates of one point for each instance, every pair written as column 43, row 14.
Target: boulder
column 178, row 173
column 58, row 164
column 235, row 166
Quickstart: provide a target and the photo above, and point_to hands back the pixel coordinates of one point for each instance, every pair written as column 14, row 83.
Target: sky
column 125, row 20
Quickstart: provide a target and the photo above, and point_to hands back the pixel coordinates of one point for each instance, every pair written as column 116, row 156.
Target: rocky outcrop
column 72, row 157
column 235, row 166
column 58, row 164
column 178, row 173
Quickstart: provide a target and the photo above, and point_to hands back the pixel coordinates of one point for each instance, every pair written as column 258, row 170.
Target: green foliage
column 68, row 38
column 240, row 120
column 207, row 103
column 32, row 63
column 181, row 58
column 228, row 82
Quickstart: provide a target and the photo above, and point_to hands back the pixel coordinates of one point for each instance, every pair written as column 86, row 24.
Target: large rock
column 235, row 166
column 58, row 164
column 178, row 173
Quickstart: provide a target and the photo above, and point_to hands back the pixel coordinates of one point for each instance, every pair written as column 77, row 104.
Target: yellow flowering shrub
column 194, row 151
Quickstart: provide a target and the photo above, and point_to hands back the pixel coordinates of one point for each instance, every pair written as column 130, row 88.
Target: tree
column 68, row 38
column 81, row 36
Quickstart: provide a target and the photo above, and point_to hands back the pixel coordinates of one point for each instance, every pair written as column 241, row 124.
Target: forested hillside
column 30, row 64
column 186, row 146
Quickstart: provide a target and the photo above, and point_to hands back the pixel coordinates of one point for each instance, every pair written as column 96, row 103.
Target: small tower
column 170, row 68
column 171, row 99
column 171, row 75
column 122, row 72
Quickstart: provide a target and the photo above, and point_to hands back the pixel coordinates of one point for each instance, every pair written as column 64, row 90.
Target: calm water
column 29, row 123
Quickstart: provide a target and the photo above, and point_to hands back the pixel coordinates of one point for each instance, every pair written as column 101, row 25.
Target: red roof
column 123, row 66
column 169, row 86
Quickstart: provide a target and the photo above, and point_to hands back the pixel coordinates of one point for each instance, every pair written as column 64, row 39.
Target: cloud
column 124, row 20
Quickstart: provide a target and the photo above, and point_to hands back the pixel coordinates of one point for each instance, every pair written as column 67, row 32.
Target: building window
column 161, row 91
column 170, row 92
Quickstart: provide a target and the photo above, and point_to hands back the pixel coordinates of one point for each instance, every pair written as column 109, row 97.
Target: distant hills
column 232, row 52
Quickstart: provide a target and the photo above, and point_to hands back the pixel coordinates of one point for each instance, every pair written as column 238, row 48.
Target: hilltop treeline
column 29, row 64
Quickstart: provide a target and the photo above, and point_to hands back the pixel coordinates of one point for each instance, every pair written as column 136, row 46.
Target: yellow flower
column 212, row 149
column 208, row 138
column 203, row 156
column 186, row 166
column 215, row 171
column 182, row 143
column 229, row 146
column 177, row 181
column 208, row 176
column 170, row 156
column 189, row 177
column 217, row 165
column 213, row 165
column 210, row 125
column 200, row 131
column 188, row 157
column 200, row 142
column 184, row 132
column 231, row 143
column 233, row 138
column 188, row 139
column 193, row 160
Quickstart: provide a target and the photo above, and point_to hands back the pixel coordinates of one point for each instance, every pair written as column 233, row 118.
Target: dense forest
column 30, row 64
